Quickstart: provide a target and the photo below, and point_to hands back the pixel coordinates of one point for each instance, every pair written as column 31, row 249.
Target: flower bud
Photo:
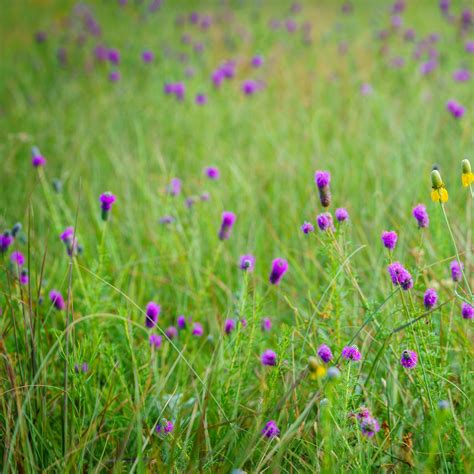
column 436, row 180
column 466, row 166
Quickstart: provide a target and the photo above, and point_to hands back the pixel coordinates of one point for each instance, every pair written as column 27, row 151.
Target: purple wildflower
column 212, row 172
column 351, row 353
column 167, row 220
column 229, row 325
column 155, row 341
column 249, row 87
column 389, row 239
column 324, row 352
column 409, row 34
column 106, row 201
column 430, row 298
column 467, row 311
column 269, row 357
column 409, row 359
column 205, row 196
column 6, row 239
column 247, row 262
column 400, row 275
column 147, row 56
column 270, row 430
column 325, row 221
column 100, row 53
column 228, row 220
column 366, row 89
column 41, row 36
column 113, row 55
column 152, row 313
column 174, row 187
column 420, row 214
column 37, row 159
column 23, row 277
column 190, row 201
column 164, row 428
column 341, row 214
column 114, row 76
column 469, row 46
column 362, row 413
column 17, row 258
column 197, row 330
column 279, row 268
column 462, row 75
column 179, row 90
column 322, row 180
column 307, row 227
column 428, row 67
column 444, row 5
column 456, row 109
column 266, row 324
column 181, row 321
column 57, row 300
column 171, row 332
column 456, row 270
column 201, row 99
column 369, row 426
column 257, row 61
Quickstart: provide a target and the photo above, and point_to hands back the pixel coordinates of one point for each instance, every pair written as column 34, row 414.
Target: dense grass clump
column 236, row 236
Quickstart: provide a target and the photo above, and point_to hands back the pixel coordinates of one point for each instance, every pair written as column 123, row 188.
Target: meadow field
column 236, row 236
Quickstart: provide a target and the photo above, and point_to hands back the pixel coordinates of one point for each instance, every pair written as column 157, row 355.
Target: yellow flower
column 316, row 370
column 467, row 179
column 440, row 194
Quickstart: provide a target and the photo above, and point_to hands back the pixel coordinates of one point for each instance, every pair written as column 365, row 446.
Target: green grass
column 132, row 139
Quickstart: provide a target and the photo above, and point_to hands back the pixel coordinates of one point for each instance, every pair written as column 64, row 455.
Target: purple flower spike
column 462, row 75
column 400, row 276
column 228, row 220
column 351, row 353
column 341, row 214
column 155, row 341
column 113, row 56
column 164, row 428
column 456, row 109
column 325, row 354
column 212, row 173
column 409, row 359
column 369, row 426
column 181, row 322
column 171, row 332
column 389, row 239
column 257, row 61
column 152, row 313
column 57, row 300
column 269, row 358
column 249, row 87
column 23, row 277
column 430, row 298
column 247, row 262
column 114, row 76
column 469, row 47
column 229, row 325
column 106, row 201
column 270, row 430
column 366, row 89
column 456, row 270
column 322, row 180
column 307, row 227
column 17, row 258
column 6, row 239
column 197, row 330
column 37, row 159
column 325, row 221
column 174, row 187
column 279, row 268
column 266, row 324
column 467, row 311
column 148, row 56
column 421, row 216
column 179, row 90
column 201, row 99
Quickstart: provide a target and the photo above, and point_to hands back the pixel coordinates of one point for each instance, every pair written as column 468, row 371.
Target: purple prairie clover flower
column 462, row 75
column 179, row 90
column 279, row 268
column 268, row 358
column 168, row 88
column 228, row 69
column 247, row 262
column 167, row 220
column 400, row 276
column 409, row 34
column 322, row 180
column 67, row 235
column 351, row 353
column 456, row 109
column 152, row 313
column 57, row 300
column 155, row 341
column 100, row 53
column 469, row 46
column 201, row 99
column 257, row 61
column 325, row 221
column 398, row 7
column 341, row 214
column 430, row 298
column 456, row 270
column 212, row 172
column 266, row 324
column 466, row 18
column 190, row 201
column 147, row 56
column 197, row 330
column 228, row 220
column 467, row 311
column 270, row 430
column 366, row 89
column 389, row 239
column 229, row 325
column 181, row 321
column 397, row 62
column 217, row 77
column 113, row 55
column 37, row 159
column 243, row 322
column 249, row 87
column 174, row 188
column 397, row 21
column 290, row 25
column 324, row 353
column 444, row 5
column 428, row 67
column 114, row 76
column 362, row 413
column 205, row 196
column 369, row 426
column 17, row 258
column 421, row 216
column 307, row 227
column 206, row 22
column 171, row 332
column 106, row 199
column 23, row 277
column 194, row 18
column 409, row 359
column 198, row 47
column 6, row 239
column 164, row 428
